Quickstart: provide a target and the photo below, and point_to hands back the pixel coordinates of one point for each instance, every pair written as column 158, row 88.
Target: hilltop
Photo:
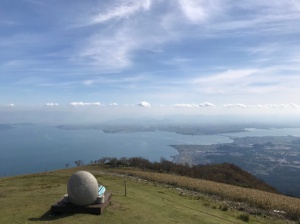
column 223, row 173
column 152, row 197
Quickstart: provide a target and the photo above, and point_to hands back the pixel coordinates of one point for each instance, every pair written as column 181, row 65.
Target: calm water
column 31, row 149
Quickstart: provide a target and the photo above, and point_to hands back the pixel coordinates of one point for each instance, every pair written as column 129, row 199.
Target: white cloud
column 283, row 106
column 269, row 106
column 207, row 104
column 193, row 10
column 113, row 104
column 294, row 104
column 186, row 105
column 52, row 104
column 11, row 105
column 197, row 11
column 242, row 106
column 75, row 104
column 264, row 106
column 144, row 104
column 194, row 105
column 237, row 105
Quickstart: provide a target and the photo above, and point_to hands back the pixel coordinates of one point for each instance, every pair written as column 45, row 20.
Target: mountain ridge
column 227, row 173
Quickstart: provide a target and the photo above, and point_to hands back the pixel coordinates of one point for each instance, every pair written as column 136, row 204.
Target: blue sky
column 195, row 54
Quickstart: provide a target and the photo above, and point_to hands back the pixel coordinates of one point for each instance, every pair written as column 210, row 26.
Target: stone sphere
column 82, row 188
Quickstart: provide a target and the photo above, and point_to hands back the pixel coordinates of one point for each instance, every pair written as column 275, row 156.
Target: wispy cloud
column 115, row 48
column 108, row 53
column 265, row 49
column 115, row 80
column 122, row 9
column 224, row 82
column 227, row 76
column 220, row 50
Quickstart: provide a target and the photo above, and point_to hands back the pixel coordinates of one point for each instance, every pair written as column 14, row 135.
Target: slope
column 27, row 199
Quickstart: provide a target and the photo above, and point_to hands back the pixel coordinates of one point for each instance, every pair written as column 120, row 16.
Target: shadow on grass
column 48, row 216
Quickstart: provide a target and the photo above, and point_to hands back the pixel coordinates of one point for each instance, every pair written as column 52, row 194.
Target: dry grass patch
column 287, row 206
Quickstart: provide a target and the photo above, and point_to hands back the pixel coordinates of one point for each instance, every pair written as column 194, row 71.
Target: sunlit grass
column 287, row 205
column 27, row 199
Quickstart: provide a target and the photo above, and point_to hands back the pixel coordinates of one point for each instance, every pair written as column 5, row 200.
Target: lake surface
column 29, row 149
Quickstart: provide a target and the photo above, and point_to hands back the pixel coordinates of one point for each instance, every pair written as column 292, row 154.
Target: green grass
column 259, row 199
column 28, row 198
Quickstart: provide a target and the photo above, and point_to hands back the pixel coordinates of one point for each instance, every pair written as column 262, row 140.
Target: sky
column 181, row 55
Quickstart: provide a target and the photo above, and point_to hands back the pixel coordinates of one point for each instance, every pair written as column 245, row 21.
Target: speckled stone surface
column 82, row 188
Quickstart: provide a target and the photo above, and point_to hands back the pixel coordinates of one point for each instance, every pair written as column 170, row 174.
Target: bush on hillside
column 224, row 173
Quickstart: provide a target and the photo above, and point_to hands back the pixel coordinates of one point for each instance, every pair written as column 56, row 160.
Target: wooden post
column 125, row 187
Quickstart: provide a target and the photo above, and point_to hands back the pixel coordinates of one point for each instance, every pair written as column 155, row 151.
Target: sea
column 28, row 149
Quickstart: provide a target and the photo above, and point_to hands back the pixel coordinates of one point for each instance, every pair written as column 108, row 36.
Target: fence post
column 125, row 187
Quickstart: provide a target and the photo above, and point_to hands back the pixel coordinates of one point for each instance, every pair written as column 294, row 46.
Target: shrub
column 244, row 217
column 223, row 208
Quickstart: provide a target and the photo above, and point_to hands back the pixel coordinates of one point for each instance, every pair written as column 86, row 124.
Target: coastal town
column 271, row 158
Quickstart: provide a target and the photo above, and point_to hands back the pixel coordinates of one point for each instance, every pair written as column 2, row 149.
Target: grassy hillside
column 223, row 173
column 27, row 199
column 231, row 174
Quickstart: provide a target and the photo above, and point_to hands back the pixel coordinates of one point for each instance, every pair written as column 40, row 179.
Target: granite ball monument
column 82, row 188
